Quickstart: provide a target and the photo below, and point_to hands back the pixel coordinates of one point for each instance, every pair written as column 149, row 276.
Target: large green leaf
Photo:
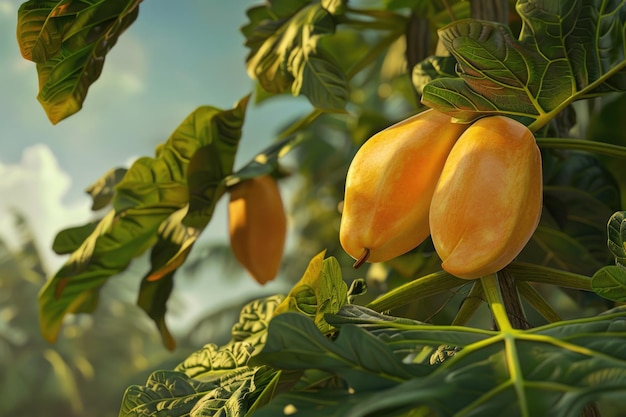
column 552, row 370
column 69, row 41
column 285, row 53
column 214, row 379
column 152, row 190
column 567, row 50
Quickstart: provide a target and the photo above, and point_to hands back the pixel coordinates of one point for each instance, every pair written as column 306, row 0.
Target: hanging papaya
column 390, row 183
column 257, row 226
column 488, row 199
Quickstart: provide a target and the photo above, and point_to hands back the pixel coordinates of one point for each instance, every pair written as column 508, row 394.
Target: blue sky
column 170, row 61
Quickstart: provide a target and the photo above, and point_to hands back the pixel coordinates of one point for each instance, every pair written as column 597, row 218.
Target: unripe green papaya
column 389, row 186
column 257, row 226
column 488, row 200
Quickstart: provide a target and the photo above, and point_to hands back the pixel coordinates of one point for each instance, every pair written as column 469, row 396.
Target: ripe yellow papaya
column 390, row 183
column 488, row 199
column 257, row 226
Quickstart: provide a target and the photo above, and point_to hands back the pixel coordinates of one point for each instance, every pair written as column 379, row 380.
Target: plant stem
column 583, row 145
column 511, row 299
column 536, row 300
column 470, row 304
column 410, row 292
column 537, row 273
column 496, row 302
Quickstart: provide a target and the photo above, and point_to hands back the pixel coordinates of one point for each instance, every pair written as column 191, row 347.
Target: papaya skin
column 389, row 186
column 488, row 200
column 257, row 226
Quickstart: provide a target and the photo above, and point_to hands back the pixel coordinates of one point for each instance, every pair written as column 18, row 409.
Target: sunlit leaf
column 69, row 42
column 565, row 51
column 69, row 240
column 285, row 54
column 149, row 193
column 320, row 291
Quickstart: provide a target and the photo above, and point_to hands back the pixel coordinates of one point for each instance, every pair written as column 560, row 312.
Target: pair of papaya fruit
column 475, row 189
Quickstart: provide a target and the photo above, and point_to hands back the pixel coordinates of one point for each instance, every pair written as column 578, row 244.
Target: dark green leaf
column 102, row 191
column 286, row 8
column 432, row 68
column 69, row 42
column 610, row 282
column 566, row 50
column 38, row 35
column 556, row 249
column 212, row 163
column 69, row 240
column 294, row 342
column 617, row 236
column 152, row 298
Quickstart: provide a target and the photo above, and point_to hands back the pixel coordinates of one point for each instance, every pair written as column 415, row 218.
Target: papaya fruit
column 257, row 226
column 488, row 199
column 390, row 183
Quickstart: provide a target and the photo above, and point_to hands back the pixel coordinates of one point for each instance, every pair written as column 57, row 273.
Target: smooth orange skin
column 390, row 183
column 488, row 199
column 257, row 226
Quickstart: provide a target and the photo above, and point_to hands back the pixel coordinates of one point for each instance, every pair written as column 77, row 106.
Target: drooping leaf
column 102, row 191
column 69, row 240
column 610, row 282
column 285, row 54
column 150, row 192
column 69, row 43
column 567, row 50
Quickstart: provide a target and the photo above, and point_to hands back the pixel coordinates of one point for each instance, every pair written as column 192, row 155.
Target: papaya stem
column 362, row 259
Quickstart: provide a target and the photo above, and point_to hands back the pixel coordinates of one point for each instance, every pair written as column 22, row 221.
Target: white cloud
column 7, row 8
column 35, row 188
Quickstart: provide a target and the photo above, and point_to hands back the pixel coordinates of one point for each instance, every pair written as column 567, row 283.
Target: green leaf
column 38, row 35
column 610, row 282
column 102, row 191
column 430, row 69
column 321, row 291
column 172, row 391
column 286, row 54
column 554, row 370
column 151, row 191
column 213, row 380
column 617, row 236
column 566, row 51
column 69, row 45
column 107, row 251
column 556, row 249
column 69, row 240
column 294, row 342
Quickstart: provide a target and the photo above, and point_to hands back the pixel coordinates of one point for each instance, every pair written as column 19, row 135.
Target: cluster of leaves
column 319, row 353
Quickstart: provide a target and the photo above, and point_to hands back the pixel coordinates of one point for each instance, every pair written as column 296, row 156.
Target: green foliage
column 69, row 40
column 419, row 345
column 553, row 63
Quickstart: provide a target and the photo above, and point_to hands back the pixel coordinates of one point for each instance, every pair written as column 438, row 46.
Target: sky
column 170, row 61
